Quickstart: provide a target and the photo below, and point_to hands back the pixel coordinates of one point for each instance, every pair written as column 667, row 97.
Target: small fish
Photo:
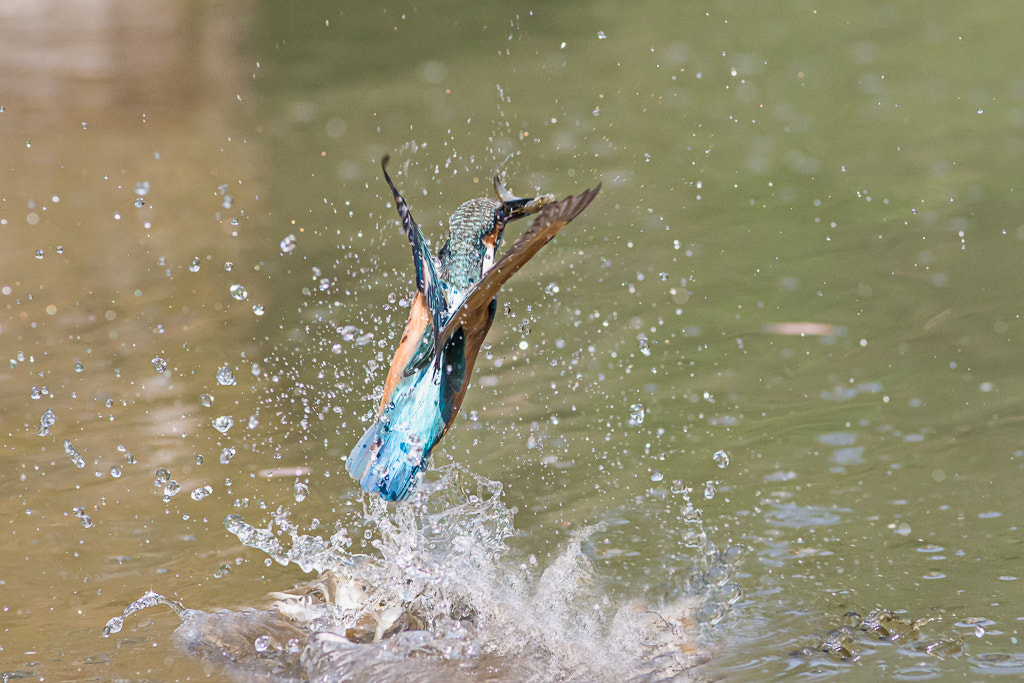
column 451, row 313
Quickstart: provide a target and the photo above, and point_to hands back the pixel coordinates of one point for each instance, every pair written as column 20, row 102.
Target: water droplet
column 228, row 265
column 691, row 515
column 195, row 265
column 199, row 459
column 39, row 254
column 656, row 475
column 551, row 289
column 238, row 293
column 206, row 400
column 79, row 367
column 262, row 643
column 226, row 455
column 645, row 347
column 46, row 421
column 288, row 244
column 115, row 471
column 71, row 452
column 114, row 625
column 162, row 476
column 159, row 363
column 171, row 489
column 637, row 412
column 709, row 490
column 142, row 188
column 364, row 339
column 226, row 376
column 139, row 203
column 228, row 202
column 86, row 521
column 301, row 491
column 348, row 333
column 223, row 423
column 691, row 539
column 415, row 455
column 601, row 35
column 257, row 309
column 721, row 459
column 201, row 492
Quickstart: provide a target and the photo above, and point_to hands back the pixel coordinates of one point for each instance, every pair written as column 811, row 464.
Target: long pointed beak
column 516, row 208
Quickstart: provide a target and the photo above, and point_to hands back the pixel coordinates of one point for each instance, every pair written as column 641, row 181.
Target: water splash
column 149, row 599
column 445, row 597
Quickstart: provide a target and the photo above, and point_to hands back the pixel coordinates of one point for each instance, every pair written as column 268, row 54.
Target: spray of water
column 445, row 597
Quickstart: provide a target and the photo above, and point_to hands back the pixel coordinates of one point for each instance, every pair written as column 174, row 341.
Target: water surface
column 805, row 256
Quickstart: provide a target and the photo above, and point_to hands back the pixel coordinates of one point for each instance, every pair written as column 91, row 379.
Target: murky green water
column 805, row 256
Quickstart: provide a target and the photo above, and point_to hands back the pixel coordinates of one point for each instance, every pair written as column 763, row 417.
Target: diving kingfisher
column 451, row 313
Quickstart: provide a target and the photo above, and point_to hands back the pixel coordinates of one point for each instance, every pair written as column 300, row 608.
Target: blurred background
column 796, row 303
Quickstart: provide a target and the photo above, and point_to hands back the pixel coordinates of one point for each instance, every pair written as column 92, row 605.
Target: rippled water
column 791, row 323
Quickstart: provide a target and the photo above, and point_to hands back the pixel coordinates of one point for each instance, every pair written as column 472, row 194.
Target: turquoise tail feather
column 388, row 463
column 364, row 455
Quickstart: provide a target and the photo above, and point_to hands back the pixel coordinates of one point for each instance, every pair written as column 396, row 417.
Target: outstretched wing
column 427, row 281
column 553, row 218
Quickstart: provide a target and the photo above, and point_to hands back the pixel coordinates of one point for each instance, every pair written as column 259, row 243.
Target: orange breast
column 419, row 318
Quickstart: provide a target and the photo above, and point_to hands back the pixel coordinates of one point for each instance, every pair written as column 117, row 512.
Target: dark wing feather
column 553, row 218
column 427, row 281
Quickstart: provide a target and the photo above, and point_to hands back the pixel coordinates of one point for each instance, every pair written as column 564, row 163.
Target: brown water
column 806, row 255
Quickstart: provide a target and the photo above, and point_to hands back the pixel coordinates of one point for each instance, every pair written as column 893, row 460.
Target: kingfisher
column 451, row 312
